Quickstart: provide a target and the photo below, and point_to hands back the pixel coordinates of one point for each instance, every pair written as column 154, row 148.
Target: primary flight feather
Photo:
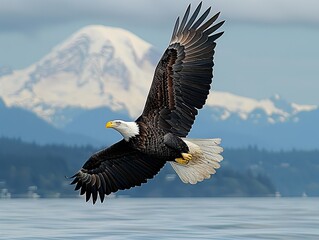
column 180, row 87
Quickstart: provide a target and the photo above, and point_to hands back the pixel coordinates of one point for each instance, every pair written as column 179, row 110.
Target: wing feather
column 209, row 22
column 194, row 16
column 201, row 19
column 214, row 28
column 183, row 76
column 181, row 27
column 116, row 168
column 175, row 28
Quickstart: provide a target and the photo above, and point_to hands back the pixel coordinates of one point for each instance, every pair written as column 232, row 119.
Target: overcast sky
column 269, row 46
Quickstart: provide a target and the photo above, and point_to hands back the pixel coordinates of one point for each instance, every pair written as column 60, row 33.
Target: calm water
column 176, row 218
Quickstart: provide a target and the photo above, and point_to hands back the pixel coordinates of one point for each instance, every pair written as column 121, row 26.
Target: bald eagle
column 180, row 87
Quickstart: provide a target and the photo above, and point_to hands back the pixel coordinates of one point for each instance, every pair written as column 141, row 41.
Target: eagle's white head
column 127, row 129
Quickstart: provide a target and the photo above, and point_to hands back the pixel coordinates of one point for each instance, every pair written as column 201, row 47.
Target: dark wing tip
column 130, row 171
column 75, row 180
column 175, row 29
column 66, row 177
column 184, row 20
column 201, row 19
column 195, row 23
column 216, row 36
column 87, row 183
column 213, row 29
column 194, row 16
column 200, row 5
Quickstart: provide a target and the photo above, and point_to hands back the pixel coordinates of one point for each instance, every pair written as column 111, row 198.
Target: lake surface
column 173, row 218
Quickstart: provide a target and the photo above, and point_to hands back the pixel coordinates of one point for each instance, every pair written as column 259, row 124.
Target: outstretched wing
column 183, row 76
column 116, row 168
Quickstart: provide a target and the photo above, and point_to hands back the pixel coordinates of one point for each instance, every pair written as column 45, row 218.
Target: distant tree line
column 294, row 172
column 244, row 173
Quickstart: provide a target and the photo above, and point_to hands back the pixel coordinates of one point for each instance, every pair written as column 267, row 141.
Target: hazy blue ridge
column 236, row 132
column 20, row 123
column 88, row 127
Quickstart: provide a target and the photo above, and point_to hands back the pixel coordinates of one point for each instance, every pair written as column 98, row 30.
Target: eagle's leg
column 178, row 144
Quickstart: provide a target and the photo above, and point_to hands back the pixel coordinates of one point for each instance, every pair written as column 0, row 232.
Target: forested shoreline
column 29, row 170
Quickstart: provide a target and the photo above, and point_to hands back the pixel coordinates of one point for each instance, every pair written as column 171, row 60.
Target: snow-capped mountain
column 100, row 66
column 97, row 66
column 109, row 70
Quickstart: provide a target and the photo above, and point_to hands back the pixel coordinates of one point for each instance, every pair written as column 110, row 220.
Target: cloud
column 17, row 15
column 33, row 14
column 271, row 11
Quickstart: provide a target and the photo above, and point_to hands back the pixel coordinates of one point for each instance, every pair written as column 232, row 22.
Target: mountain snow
column 97, row 66
column 101, row 66
column 244, row 106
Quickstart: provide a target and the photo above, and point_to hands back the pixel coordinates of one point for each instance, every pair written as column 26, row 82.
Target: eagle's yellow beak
column 109, row 124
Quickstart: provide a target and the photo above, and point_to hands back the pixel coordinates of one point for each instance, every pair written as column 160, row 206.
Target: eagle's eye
column 118, row 123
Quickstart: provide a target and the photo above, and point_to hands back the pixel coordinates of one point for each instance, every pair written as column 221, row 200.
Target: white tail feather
column 205, row 160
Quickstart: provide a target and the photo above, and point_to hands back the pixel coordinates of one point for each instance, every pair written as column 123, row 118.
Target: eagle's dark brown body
column 158, row 142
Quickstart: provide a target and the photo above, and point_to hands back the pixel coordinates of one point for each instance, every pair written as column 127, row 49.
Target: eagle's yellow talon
column 181, row 161
column 187, row 156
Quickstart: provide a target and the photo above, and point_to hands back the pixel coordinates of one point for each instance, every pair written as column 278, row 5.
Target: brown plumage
column 180, row 87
